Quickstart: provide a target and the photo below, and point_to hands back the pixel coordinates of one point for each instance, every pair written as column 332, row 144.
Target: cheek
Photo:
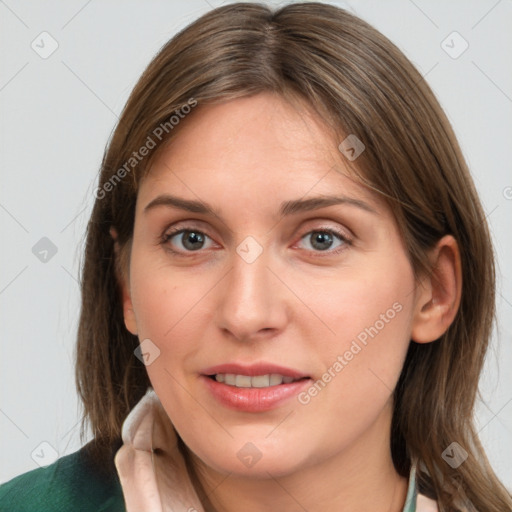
column 166, row 308
column 172, row 309
column 162, row 298
column 369, row 316
column 374, row 295
column 361, row 359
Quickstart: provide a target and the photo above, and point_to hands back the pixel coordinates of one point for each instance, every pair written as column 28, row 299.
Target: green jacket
column 69, row 484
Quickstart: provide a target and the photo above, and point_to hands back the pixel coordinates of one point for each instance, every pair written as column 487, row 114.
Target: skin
column 296, row 305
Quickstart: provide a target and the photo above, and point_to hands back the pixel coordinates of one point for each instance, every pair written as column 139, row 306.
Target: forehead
column 254, row 149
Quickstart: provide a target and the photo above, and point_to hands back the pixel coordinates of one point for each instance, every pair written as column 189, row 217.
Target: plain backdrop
column 57, row 113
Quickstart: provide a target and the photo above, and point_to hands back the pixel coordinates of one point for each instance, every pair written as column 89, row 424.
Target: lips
column 255, row 388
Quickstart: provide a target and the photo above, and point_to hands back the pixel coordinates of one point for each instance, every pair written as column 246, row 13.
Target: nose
column 252, row 300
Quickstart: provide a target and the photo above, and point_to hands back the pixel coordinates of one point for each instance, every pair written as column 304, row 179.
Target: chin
column 253, row 460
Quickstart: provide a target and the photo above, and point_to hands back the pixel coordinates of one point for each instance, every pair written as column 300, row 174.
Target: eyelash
column 167, row 235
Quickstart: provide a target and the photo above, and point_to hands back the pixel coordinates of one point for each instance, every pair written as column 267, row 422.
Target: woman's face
column 275, row 284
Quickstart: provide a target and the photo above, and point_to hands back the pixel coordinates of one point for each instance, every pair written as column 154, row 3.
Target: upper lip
column 252, row 370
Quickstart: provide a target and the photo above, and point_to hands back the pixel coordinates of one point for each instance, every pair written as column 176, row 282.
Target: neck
column 361, row 478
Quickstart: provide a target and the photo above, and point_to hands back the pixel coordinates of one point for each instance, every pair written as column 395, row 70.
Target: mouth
column 255, row 388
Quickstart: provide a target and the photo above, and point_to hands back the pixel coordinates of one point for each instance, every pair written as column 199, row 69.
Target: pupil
column 322, row 238
column 193, row 238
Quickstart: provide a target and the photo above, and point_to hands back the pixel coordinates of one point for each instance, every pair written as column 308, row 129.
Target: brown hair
column 359, row 82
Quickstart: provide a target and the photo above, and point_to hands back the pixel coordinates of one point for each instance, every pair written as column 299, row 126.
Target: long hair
column 361, row 84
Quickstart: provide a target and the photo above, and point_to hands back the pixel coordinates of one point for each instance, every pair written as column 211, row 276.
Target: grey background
column 57, row 114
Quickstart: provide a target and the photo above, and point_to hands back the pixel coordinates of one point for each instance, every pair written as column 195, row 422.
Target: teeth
column 276, row 379
column 258, row 381
column 230, row 379
column 243, row 381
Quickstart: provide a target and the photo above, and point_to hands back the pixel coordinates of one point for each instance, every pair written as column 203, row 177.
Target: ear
column 124, row 285
column 438, row 294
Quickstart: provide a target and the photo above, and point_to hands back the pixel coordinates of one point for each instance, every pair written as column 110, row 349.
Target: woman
column 278, row 307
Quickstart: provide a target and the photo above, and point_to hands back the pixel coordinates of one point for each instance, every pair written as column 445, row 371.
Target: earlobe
column 122, row 279
column 129, row 316
column 128, row 313
column 438, row 294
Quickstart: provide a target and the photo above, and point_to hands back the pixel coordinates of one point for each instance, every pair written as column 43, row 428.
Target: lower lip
column 254, row 399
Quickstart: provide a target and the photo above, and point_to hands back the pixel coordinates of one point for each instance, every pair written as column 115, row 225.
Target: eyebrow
column 287, row 207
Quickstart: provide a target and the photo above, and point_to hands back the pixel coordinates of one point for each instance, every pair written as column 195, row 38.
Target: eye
column 191, row 239
column 188, row 239
column 322, row 240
